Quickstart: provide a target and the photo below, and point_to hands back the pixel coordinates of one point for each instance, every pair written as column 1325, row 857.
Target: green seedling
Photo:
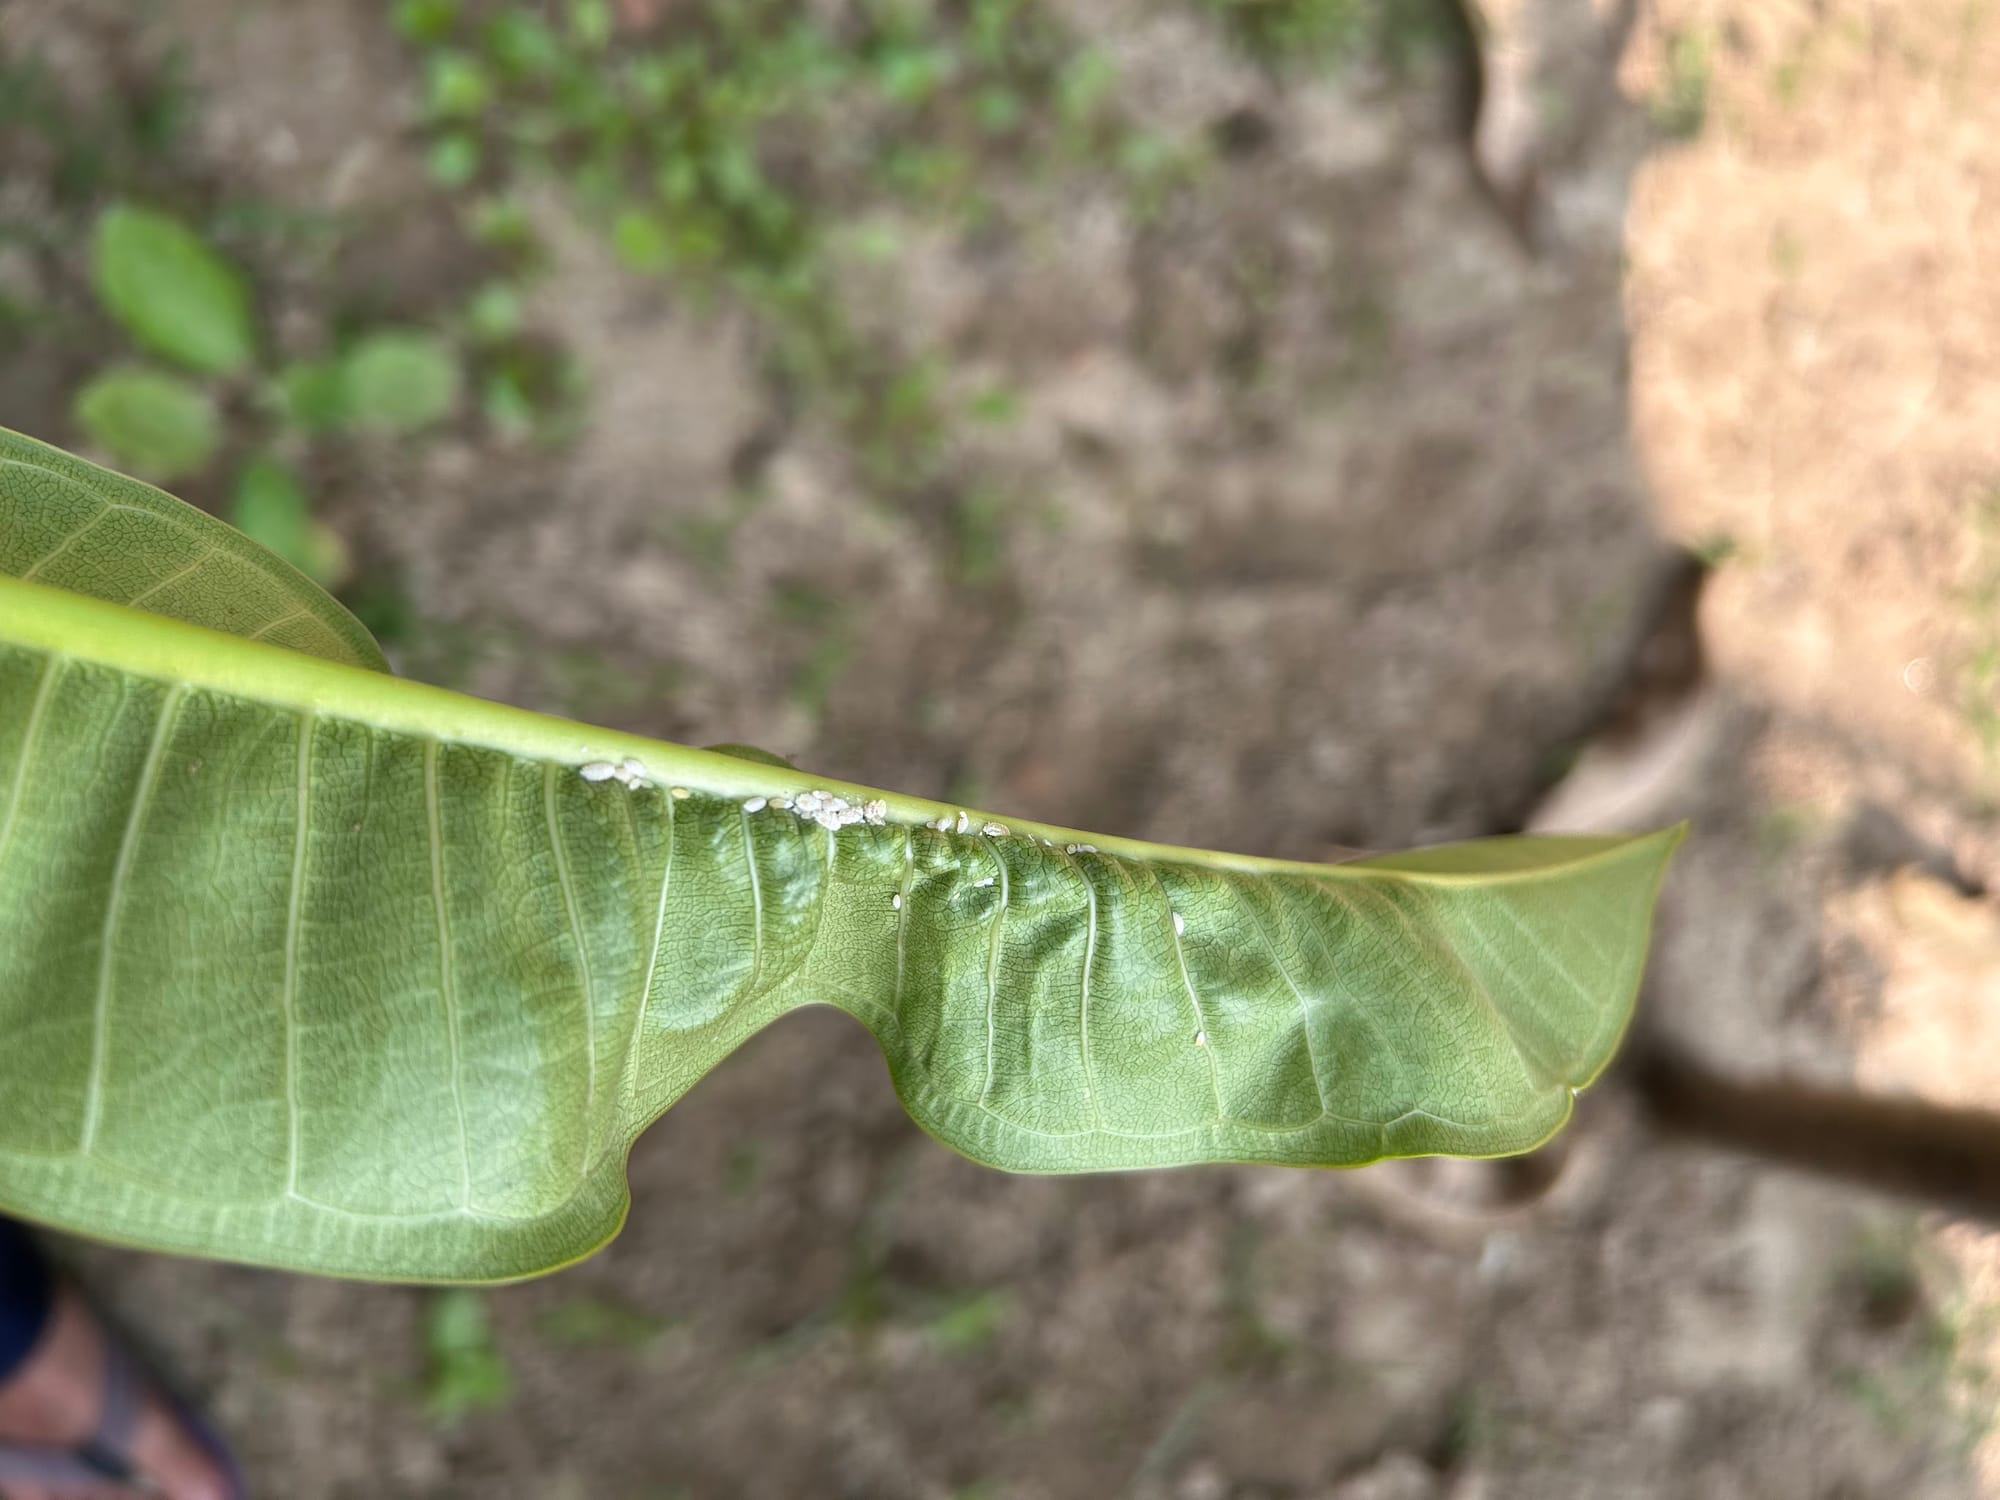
column 466, row 1371
column 183, row 303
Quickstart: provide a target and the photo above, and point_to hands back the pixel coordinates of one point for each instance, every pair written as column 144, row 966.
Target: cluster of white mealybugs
column 627, row 772
column 827, row 809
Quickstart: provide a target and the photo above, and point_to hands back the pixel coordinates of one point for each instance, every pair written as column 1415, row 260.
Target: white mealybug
column 876, row 812
column 598, row 770
column 1180, row 924
column 964, row 820
column 1086, row 848
column 995, row 830
column 827, row 818
column 681, row 793
column 631, row 768
column 756, row 804
column 896, row 902
column 983, row 880
column 1201, row 1039
column 783, row 804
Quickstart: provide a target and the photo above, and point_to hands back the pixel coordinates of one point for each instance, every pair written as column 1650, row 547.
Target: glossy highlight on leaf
column 311, row 966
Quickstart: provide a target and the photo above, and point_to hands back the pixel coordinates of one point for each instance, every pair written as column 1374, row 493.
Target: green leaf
column 320, row 968
column 424, row 21
column 173, row 294
column 154, row 423
column 460, row 87
column 641, row 240
column 271, row 508
column 493, row 315
column 399, row 382
column 454, row 159
column 468, row 1373
column 72, row 525
column 313, row 395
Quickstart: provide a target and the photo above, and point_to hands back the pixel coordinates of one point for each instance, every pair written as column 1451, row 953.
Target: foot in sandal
column 80, row 1418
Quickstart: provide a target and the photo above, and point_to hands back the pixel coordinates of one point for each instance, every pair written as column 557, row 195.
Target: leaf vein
column 567, row 887
column 447, row 978
column 149, row 775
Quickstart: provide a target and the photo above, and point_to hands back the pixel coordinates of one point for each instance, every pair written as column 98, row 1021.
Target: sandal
column 105, row 1457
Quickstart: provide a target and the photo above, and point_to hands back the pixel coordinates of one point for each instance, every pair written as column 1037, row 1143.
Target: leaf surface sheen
column 311, row 966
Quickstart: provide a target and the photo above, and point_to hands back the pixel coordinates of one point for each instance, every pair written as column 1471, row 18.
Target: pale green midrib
column 175, row 652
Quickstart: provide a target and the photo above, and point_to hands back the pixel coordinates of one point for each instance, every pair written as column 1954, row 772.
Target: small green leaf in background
column 593, row 1322
column 521, row 44
column 590, row 22
column 460, row 86
column 399, row 382
column 641, row 240
column 272, row 510
column 494, row 313
column 468, row 1373
column 426, row 20
column 157, row 425
column 971, row 1323
column 171, row 291
column 313, row 395
column 506, row 406
column 454, row 160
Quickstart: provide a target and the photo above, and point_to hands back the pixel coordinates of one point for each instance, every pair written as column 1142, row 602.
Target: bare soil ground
column 1349, row 511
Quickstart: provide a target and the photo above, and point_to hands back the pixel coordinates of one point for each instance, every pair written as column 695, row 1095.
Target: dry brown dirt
column 1348, row 551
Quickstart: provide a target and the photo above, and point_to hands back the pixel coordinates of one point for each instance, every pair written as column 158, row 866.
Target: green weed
column 467, row 1373
column 1681, row 109
column 969, row 1323
column 700, row 148
column 596, row 1322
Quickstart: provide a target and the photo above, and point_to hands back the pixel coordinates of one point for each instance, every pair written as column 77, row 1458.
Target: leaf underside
column 318, row 976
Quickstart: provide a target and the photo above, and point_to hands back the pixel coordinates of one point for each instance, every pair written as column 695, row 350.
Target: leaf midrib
column 177, row 653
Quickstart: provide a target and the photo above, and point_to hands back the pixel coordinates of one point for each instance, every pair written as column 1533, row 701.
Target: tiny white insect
column 876, row 812
column 1180, row 924
column 1201, row 1039
column 598, row 770
column 995, row 830
column 964, row 820
column 1086, row 848
column 784, row 804
column 943, row 824
column 984, row 880
column 756, row 804
column 631, row 767
column 640, row 784
column 896, row 902
column 681, row 792
column 827, row 818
